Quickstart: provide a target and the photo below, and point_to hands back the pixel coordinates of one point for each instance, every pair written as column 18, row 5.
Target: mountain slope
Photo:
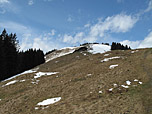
column 114, row 82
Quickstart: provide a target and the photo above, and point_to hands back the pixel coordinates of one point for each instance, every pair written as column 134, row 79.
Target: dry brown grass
column 80, row 92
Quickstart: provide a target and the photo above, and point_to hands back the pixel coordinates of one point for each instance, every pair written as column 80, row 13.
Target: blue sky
column 50, row 24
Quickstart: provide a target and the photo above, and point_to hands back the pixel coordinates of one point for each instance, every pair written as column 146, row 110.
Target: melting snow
column 106, row 55
column 26, row 72
column 89, row 74
column 135, row 80
column 113, row 66
column 100, row 91
column 107, row 59
column 36, row 81
column 62, row 53
column 99, row 48
column 36, row 108
column 22, row 80
column 115, row 85
column 39, row 74
column 125, row 86
column 134, row 51
column 128, row 82
column 11, row 82
column 110, row 89
column 49, row 101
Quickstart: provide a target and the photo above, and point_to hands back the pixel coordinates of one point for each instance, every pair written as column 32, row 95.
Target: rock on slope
column 114, row 82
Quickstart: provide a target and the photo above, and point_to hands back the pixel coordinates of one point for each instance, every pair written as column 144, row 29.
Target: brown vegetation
column 78, row 83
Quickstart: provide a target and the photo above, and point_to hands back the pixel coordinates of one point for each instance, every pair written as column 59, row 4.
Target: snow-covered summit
column 99, row 48
column 92, row 48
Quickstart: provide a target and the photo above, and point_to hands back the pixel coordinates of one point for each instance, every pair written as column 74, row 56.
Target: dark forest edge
column 13, row 61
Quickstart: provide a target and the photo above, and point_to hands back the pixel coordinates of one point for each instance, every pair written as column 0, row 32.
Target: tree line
column 12, row 61
column 118, row 46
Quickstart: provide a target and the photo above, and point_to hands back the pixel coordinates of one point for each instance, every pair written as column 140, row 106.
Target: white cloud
column 146, row 43
column 52, row 32
column 30, row 2
column 132, row 44
column 42, row 42
column 149, row 6
column 74, row 39
column 120, row 23
column 114, row 24
column 87, row 25
column 29, row 38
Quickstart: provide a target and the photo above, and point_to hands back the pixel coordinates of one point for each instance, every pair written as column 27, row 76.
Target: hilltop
column 77, row 80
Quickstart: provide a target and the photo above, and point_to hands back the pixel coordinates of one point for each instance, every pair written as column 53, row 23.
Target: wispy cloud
column 30, row 2
column 15, row 27
column 120, row 1
column 70, row 18
column 8, row 6
column 149, row 6
column 4, row 1
column 3, row 4
column 52, row 32
column 48, row 0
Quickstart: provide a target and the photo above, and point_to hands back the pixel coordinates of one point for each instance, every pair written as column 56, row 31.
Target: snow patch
column 99, row 48
column 49, row 101
column 89, row 74
column 22, row 80
column 9, row 83
column 115, row 85
column 134, row 51
column 39, row 74
column 106, row 55
column 140, row 82
column 36, row 108
column 125, row 86
column 100, row 92
column 110, row 89
column 128, row 82
column 113, row 66
column 107, row 59
column 135, row 80
column 26, row 72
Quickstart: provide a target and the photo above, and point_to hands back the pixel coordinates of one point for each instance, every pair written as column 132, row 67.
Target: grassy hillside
column 85, row 84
